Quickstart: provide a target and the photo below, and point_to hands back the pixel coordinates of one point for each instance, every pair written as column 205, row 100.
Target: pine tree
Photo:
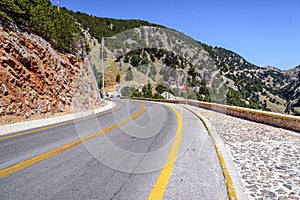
column 147, row 90
column 118, row 78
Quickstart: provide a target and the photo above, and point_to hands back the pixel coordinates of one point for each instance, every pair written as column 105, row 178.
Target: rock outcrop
column 36, row 79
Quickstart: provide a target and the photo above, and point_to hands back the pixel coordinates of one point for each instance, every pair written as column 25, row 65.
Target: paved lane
column 124, row 163
column 25, row 146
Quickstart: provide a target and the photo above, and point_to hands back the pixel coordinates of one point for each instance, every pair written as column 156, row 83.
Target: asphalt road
column 139, row 150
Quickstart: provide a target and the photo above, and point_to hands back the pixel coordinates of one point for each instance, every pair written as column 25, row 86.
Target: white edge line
column 23, row 126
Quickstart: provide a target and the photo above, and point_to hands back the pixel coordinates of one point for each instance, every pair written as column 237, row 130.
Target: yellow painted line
column 165, row 174
column 229, row 184
column 41, row 157
column 59, row 124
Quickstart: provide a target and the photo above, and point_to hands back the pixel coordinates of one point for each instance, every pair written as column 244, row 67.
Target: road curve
column 141, row 150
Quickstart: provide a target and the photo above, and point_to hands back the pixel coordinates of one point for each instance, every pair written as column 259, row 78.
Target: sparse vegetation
column 253, row 81
column 107, row 27
column 129, row 75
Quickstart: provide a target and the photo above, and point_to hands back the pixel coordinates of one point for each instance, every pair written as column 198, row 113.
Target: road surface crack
column 148, row 150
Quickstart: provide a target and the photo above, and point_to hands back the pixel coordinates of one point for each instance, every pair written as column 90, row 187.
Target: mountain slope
column 106, row 27
column 227, row 77
column 42, row 18
column 158, row 55
column 278, row 90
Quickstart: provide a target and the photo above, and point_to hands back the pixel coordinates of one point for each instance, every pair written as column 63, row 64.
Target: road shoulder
column 197, row 173
column 23, row 126
column 230, row 172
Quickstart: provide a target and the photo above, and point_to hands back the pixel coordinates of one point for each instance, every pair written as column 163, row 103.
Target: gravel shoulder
column 267, row 158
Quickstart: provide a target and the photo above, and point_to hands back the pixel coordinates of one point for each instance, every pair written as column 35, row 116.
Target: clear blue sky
column 264, row 32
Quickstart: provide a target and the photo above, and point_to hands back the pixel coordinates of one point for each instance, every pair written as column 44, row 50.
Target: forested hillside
column 107, row 27
column 58, row 26
column 44, row 19
column 269, row 86
column 169, row 71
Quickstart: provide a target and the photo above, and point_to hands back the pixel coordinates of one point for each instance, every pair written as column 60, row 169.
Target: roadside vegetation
column 145, row 92
column 59, row 28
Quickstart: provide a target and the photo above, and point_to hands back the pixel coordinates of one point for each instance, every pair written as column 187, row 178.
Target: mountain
column 214, row 74
column 141, row 53
column 107, row 27
column 272, row 68
column 278, row 89
column 292, row 91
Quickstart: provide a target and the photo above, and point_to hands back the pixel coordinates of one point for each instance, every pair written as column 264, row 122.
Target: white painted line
column 23, row 126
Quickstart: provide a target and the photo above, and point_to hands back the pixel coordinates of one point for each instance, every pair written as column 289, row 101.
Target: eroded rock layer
column 36, row 79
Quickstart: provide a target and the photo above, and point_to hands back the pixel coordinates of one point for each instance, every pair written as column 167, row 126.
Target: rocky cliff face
column 35, row 79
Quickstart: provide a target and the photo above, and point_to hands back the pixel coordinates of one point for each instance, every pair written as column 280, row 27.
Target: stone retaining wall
column 274, row 119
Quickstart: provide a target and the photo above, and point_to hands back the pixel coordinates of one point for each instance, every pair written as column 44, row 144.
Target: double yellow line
column 41, row 157
column 59, row 124
column 161, row 182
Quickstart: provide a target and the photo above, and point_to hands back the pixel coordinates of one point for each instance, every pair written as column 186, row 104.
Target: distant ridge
column 269, row 67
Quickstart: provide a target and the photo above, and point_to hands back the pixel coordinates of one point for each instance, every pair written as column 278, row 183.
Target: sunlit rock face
column 36, row 79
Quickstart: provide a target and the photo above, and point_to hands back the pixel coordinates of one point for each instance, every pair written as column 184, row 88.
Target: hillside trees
column 161, row 87
column 118, row 78
column 145, row 93
column 234, row 98
column 107, row 27
column 10, row 10
column 203, row 89
column 135, row 60
column 58, row 28
column 147, row 90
